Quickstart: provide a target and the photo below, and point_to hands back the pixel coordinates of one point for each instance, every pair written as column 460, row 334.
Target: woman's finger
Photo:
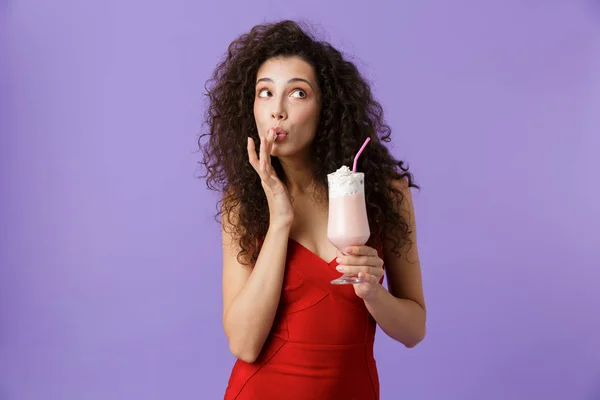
column 355, row 270
column 373, row 261
column 370, row 278
column 357, row 260
column 264, row 159
column 252, row 157
column 259, row 166
column 256, row 162
column 361, row 251
column 270, row 140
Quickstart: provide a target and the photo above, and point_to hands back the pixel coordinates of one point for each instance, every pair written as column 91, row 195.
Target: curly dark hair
column 349, row 114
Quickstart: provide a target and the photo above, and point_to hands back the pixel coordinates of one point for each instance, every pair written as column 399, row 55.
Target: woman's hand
column 365, row 262
column 278, row 198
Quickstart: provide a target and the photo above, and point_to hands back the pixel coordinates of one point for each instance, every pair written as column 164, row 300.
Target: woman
column 284, row 111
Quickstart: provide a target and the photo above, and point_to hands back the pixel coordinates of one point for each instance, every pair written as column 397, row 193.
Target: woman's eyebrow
column 290, row 81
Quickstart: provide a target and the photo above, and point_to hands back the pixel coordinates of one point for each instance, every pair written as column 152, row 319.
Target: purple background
column 110, row 257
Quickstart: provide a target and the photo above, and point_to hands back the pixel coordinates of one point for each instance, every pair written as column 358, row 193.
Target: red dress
column 321, row 344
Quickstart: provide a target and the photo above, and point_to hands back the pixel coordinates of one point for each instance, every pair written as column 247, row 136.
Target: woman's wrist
column 280, row 225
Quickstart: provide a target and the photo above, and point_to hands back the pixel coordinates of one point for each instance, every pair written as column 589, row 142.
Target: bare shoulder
column 402, row 186
column 404, row 205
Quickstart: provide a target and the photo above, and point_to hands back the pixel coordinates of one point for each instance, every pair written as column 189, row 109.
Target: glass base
column 347, row 280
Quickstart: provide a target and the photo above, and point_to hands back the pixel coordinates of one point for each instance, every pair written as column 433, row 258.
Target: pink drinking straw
column 359, row 152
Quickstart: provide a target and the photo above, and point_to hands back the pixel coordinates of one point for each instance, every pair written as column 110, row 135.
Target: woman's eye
column 263, row 93
column 299, row 93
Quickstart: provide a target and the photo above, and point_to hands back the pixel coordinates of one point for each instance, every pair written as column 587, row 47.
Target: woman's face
column 287, row 97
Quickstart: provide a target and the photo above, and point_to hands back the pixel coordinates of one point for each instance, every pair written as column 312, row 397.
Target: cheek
column 309, row 115
column 259, row 116
column 256, row 110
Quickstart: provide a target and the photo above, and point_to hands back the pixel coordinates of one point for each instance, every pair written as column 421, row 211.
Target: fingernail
column 338, row 260
column 339, row 268
column 349, row 250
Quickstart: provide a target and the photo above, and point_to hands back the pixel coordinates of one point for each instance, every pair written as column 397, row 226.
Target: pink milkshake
column 347, row 224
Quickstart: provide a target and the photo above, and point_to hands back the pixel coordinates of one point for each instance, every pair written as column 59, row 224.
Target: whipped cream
column 344, row 182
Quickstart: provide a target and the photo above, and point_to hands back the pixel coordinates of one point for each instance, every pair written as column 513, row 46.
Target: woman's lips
column 280, row 133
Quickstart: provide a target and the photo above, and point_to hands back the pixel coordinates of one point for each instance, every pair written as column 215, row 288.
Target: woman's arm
column 401, row 312
column 251, row 293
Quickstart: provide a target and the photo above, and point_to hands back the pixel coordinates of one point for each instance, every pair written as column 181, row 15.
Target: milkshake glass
column 347, row 223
